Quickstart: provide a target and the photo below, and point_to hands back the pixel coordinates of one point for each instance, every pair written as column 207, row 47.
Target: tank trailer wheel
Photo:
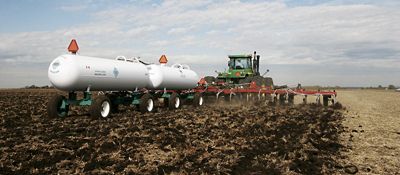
column 56, row 108
column 198, row 99
column 101, row 107
column 174, row 102
column 114, row 107
column 146, row 103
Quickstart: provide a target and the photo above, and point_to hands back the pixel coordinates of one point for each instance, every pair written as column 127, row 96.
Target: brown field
column 213, row 139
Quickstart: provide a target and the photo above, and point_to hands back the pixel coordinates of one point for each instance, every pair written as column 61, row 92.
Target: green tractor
column 243, row 69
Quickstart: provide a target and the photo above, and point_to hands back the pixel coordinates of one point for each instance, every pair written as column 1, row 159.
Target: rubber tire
column 268, row 81
column 259, row 80
column 291, row 99
column 53, row 105
column 209, row 79
column 325, row 100
column 96, row 108
column 282, row 99
column 114, row 107
column 196, row 99
column 171, row 101
column 143, row 103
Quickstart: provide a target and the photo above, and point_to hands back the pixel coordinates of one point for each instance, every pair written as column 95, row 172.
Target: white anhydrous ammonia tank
column 78, row 73
column 175, row 77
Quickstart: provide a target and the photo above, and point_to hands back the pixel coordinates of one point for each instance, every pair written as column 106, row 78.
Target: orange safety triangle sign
column 73, row 46
column 163, row 59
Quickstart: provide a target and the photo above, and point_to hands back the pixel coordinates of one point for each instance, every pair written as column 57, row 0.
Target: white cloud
column 178, row 30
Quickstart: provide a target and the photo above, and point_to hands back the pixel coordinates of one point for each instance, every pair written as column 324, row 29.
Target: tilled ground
column 213, row 139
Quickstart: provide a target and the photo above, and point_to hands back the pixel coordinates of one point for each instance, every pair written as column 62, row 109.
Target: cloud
column 197, row 32
column 178, row 30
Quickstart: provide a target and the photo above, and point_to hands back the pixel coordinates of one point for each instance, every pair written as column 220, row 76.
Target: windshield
column 240, row 63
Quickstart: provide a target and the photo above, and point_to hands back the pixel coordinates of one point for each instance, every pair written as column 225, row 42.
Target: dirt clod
column 351, row 169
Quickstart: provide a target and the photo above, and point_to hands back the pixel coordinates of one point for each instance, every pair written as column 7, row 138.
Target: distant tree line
column 381, row 87
column 38, row 87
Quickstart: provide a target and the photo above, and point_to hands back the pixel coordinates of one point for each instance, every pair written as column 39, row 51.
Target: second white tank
column 176, row 77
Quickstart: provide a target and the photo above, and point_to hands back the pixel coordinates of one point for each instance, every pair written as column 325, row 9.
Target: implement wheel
column 146, row 103
column 174, row 102
column 291, row 99
column 198, row 99
column 282, row 99
column 57, row 107
column 101, row 107
column 325, row 100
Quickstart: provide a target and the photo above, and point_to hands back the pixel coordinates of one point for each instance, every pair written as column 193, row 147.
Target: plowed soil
column 213, row 139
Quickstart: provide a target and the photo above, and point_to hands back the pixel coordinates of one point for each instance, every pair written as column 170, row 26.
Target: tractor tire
column 210, row 79
column 259, row 80
column 174, row 102
column 101, row 107
column 54, row 107
column 268, row 81
column 146, row 103
column 243, row 81
column 198, row 99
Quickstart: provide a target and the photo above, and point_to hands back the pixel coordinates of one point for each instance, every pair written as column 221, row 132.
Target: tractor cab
column 239, row 67
column 239, row 62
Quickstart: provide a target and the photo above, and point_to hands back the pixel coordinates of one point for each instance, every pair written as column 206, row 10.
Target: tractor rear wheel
column 56, row 108
column 210, row 79
column 146, row 103
column 268, row 81
column 101, row 107
column 259, row 80
column 174, row 101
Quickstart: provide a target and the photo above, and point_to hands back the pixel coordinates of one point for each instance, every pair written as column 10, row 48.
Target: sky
column 312, row 42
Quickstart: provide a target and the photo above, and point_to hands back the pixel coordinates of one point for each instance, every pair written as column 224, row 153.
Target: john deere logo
column 115, row 72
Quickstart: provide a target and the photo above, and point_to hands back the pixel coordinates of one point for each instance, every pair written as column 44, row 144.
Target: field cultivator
column 252, row 93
